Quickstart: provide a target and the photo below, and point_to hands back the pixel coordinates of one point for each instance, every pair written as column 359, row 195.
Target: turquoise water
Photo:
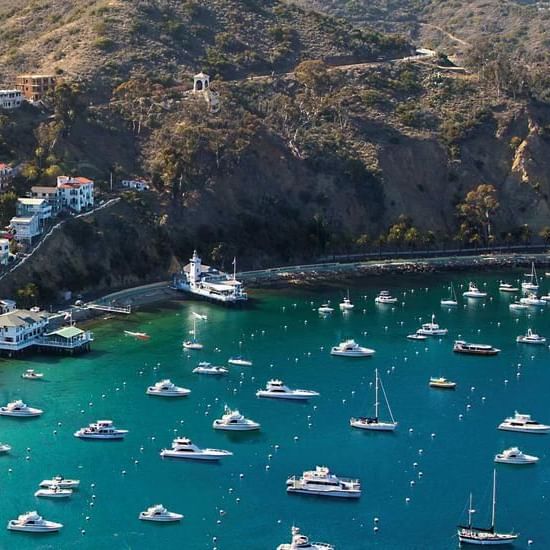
column 240, row 503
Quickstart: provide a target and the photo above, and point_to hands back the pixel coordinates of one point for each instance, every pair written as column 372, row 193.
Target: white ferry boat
column 60, row 481
column 322, row 482
column 234, row 421
column 184, row 448
column 166, row 388
column 432, row 329
column 31, row 522
column 350, row 348
column 277, row 390
column 531, row 338
column 474, row 292
column 19, row 409
column 301, row 542
column 514, row 456
column 523, row 423
column 102, row 429
column 210, row 283
column 384, row 297
column 159, row 513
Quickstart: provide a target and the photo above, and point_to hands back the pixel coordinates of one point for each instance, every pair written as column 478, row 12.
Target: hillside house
column 26, row 228
column 10, row 99
column 35, row 86
column 6, row 175
column 77, row 193
column 52, row 195
column 138, row 185
column 26, row 207
column 6, row 306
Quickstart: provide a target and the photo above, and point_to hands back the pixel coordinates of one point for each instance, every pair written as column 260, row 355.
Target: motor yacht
column 183, row 447
column 4, row 448
column 207, row 368
column 523, row 423
column 239, row 361
column 159, row 513
column 166, row 388
column 442, row 383
column 301, row 542
column 384, row 297
column 531, row 338
column 31, row 522
column 517, row 306
column 20, row 409
column 345, row 304
column 514, row 456
column 432, row 329
column 323, row 483
column 350, row 348
column 102, row 429
column 460, row 346
column 474, row 292
column 53, row 491
column 31, row 374
column 192, row 345
column 325, row 309
column 416, row 336
column 277, row 390
column 507, row 287
column 532, row 300
column 234, row 421
column 61, row 482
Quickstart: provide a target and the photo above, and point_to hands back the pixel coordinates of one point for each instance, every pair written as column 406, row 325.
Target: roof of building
column 44, row 189
column 66, row 332
column 3, row 166
column 70, row 180
column 201, row 75
column 13, row 91
column 31, row 202
column 30, row 75
column 23, row 219
column 21, row 317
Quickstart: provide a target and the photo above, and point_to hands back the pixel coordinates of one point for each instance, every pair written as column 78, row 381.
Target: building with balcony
column 25, row 229
column 52, row 195
column 35, row 86
column 10, row 99
column 20, row 328
column 77, row 193
column 26, row 207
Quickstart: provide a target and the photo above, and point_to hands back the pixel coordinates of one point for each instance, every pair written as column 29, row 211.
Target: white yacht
column 5, row 448
column 182, row 447
column 384, row 297
column 531, row 282
column 532, row 300
column 507, row 287
column 474, row 292
column 166, row 388
column 31, row 374
column 301, row 542
column 514, row 456
column 325, row 309
column 234, row 421
column 207, row 368
column 416, row 336
column 451, row 300
column 239, row 361
column 31, row 522
column 345, row 304
column 374, row 423
column 350, row 348
column 531, row 338
column 277, row 390
column 159, row 513
column 483, row 536
column 523, row 423
column 102, row 429
column 61, row 482
column 323, row 483
column 18, row 408
column 53, row 491
column 518, row 306
column 432, row 329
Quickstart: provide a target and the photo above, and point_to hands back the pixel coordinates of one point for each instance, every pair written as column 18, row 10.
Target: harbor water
column 416, row 481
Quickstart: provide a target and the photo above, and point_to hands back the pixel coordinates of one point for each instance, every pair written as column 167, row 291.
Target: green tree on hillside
column 476, row 212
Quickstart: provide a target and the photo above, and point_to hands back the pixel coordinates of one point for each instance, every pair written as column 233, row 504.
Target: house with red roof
column 76, row 193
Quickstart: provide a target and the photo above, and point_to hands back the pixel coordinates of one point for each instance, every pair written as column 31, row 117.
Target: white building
column 25, row 228
column 138, row 185
column 10, row 99
column 34, row 207
column 77, row 193
column 4, row 251
column 20, row 328
column 52, row 195
column 6, row 306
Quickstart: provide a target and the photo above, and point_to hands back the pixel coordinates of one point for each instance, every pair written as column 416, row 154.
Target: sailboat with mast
column 532, row 282
column 451, row 301
column 374, row 423
column 193, row 344
column 484, row 536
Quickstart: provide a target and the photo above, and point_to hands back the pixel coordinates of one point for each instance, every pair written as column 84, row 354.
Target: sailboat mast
column 376, row 394
column 470, row 511
column 494, row 499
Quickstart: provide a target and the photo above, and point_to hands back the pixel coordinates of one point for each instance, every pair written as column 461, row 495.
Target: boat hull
column 17, row 414
column 542, row 430
column 65, row 493
column 442, row 386
column 162, row 519
column 488, row 540
column 161, row 393
column 50, row 527
column 320, row 493
column 373, row 426
column 235, row 428
column 112, row 437
column 516, row 461
column 364, row 353
column 287, row 396
column 488, row 352
column 191, row 456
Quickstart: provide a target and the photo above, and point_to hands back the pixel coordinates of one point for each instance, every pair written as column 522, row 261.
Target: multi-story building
column 25, row 229
column 10, row 99
column 52, row 195
column 6, row 175
column 29, row 207
column 6, row 306
column 20, row 329
column 77, row 193
column 35, row 86
column 4, row 251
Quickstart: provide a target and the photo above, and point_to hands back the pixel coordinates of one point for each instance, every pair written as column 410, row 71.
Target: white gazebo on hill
column 201, row 82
